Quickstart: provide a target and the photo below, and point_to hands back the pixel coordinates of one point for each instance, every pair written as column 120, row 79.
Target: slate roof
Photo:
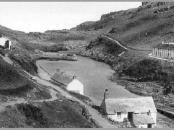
column 165, row 46
column 142, row 119
column 62, row 77
column 125, row 105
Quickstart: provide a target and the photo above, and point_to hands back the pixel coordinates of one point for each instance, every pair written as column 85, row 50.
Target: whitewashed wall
column 154, row 116
column 3, row 40
column 118, row 119
column 141, row 126
column 76, row 86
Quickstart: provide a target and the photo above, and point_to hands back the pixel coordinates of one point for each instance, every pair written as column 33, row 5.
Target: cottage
column 62, row 77
column 76, row 86
column 70, row 81
column 140, row 112
column 143, row 121
column 164, row 50
column 5, row 42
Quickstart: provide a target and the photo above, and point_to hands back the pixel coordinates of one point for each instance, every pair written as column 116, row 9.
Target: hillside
column 141, row 27
column 25, row 103
column 138, row 29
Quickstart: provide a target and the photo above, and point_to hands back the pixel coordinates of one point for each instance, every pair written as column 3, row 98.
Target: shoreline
column 48, row 76
column 161, row 109
column 93, row 104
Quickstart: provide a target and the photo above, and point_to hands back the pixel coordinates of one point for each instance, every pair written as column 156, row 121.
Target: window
column 119, row 114
column 149, row 125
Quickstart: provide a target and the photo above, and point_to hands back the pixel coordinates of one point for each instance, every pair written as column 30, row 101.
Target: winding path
column 121, row 45
column 104, row 123
column 43, row 79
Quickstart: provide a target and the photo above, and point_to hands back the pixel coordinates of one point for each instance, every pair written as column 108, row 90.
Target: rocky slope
column 139, row 28
column 19, row 95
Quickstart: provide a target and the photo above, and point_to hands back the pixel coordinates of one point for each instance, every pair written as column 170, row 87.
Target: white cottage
column 140, row 112
column 71, row 82
column 76, row 86
column 5, row 43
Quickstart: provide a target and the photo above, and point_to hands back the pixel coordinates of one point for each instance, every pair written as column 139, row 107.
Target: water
column 93, row 74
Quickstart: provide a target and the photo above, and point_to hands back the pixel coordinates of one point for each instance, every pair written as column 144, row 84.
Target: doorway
column 130, row 116
column 149, row 125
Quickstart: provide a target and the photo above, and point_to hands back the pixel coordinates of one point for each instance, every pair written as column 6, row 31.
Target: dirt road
column 104, row 123
column 43, row 79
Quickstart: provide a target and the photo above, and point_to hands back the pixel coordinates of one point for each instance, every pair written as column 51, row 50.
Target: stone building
column 70, row 81
column 164, row 50
column 5, row 42
column 140, row 111
column 76, row 86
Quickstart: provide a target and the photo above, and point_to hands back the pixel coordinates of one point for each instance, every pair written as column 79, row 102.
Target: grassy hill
column 9, row 77
column 13, row 86
column 139, row 28
column 61, row 113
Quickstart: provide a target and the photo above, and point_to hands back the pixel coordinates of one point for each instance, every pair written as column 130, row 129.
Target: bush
column 147, row 70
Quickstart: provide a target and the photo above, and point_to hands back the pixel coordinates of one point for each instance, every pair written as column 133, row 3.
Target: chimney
column 103, row 104
column 105, row 94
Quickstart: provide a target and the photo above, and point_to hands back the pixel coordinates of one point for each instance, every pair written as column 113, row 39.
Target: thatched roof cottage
column 140, row 111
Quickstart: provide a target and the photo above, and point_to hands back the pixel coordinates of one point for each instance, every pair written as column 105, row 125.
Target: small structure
column 76, row 86
column 164, row 50
column 71, row 82
column 140, row 111
column 5, row 42
column 62, row 77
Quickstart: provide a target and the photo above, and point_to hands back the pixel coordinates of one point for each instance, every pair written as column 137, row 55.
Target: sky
column 42, row 16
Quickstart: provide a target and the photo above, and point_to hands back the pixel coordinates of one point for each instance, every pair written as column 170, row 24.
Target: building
column 76, row 86
column 164, row 50
column 5, row 43
column 140, row 111
column 70, row 81
column 62, row 77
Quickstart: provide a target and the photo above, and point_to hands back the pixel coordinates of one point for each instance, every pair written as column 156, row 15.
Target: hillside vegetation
column 140, row 29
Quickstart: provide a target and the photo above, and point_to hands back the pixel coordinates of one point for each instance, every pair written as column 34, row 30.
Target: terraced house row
column 164, row 50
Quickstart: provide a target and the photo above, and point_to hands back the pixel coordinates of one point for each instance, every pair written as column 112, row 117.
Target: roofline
column 129, row 98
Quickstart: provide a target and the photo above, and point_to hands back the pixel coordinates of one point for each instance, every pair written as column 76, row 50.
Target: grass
column 23, row 58
column 82, row 98
column 9, row 77
column 61, row 113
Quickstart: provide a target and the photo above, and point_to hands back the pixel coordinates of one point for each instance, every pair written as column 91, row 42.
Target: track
column 43, row 81
column 121, row 45
column 104, row 123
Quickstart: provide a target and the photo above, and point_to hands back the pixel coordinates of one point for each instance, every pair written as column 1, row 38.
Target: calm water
column 94, row 75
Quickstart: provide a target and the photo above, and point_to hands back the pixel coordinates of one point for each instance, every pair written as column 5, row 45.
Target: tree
column 168, row 84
